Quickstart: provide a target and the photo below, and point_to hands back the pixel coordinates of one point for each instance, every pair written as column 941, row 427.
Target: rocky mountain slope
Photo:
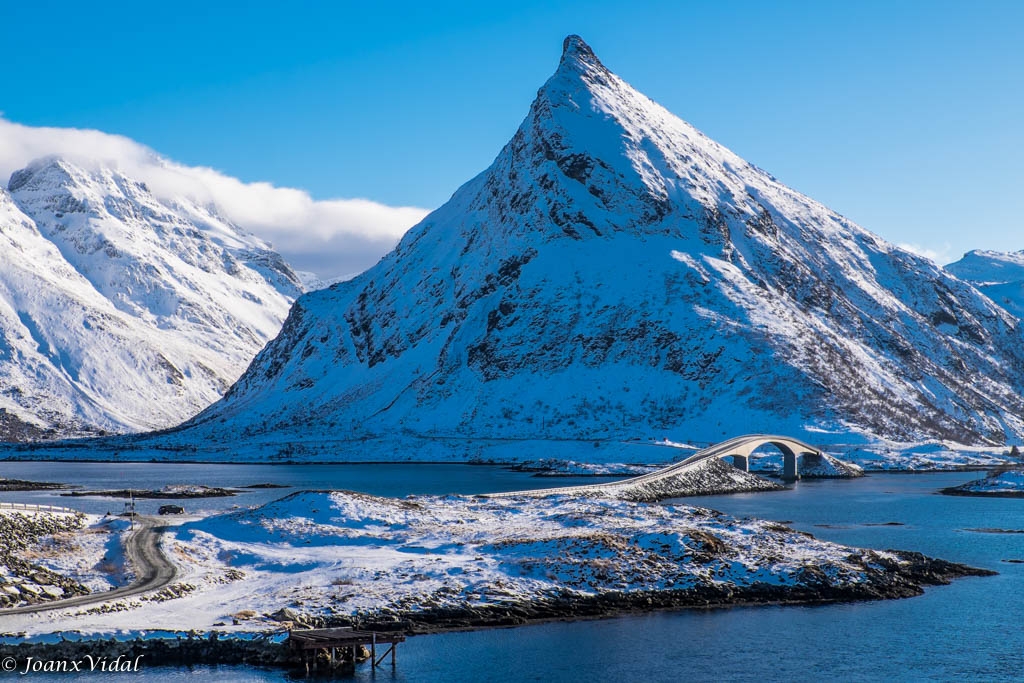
column 999, row 275
column 616, row 275
column 121, row 312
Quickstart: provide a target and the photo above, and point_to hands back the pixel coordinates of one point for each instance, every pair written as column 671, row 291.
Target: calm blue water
column 969, row 630
column 379, row 479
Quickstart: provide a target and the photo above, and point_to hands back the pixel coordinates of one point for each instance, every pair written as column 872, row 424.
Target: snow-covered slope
column 615, row 274
column 999, row 275
column 121, row 312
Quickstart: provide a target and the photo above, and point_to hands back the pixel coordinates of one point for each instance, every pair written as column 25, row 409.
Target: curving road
column 153, row 570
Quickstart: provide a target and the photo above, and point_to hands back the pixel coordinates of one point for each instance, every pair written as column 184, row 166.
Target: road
column 153, row 570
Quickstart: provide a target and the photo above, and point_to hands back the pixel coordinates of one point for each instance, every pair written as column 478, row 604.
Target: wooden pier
column 336, row 645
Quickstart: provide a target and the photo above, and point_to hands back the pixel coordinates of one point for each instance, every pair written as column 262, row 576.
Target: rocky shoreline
column 955, row 491
column 888, row 579
column 25, row 485
column 1001, row 482
column 174, row 650
column 470, row 562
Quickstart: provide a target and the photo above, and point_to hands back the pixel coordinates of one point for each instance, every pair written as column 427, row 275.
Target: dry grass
column 108, row 567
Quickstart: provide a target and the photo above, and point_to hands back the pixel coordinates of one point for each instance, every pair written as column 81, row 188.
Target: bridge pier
column 789, row 468
column 741, row 462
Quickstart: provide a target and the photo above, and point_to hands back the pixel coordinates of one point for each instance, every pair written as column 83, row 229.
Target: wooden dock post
column 330, row 640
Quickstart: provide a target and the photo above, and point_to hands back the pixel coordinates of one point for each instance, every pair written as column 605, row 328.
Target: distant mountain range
column 120, row 311
column 615, row 275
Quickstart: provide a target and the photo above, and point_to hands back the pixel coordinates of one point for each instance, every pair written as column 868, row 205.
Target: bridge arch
column 740, row 449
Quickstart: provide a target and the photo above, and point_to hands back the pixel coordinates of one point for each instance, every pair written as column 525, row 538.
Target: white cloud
column 331, row 237
column 942, row 256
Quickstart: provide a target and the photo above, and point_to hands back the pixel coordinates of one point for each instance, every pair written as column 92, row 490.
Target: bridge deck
column 740, row 445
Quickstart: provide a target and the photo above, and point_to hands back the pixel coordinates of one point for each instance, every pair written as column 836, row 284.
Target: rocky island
column 423, row 563
column 1002, row 482
column 25, row 485
column 174, row 491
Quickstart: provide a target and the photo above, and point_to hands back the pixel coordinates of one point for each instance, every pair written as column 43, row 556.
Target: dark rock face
column 13, row 428
column 24, row 485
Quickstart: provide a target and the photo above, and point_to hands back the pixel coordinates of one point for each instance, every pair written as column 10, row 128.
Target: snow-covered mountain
column 615, row 274
column 999, row 275
column 119, row 311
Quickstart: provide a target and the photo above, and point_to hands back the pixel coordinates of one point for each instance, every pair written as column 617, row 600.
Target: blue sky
column 908, row 117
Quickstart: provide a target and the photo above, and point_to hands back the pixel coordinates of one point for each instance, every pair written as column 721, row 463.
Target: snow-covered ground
column 922, row 457
column 344, row 555
column 51, row 555
column 999, row 275
column 94, row 555
column 708, row 476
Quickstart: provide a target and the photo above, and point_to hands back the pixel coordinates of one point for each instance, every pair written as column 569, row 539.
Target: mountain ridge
column 616, row 275
column 119, row 311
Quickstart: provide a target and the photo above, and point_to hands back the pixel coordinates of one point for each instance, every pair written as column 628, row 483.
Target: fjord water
column 381, row 479
column 967, row 630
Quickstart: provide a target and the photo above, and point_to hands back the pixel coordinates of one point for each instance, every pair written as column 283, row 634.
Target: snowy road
column 153, row 570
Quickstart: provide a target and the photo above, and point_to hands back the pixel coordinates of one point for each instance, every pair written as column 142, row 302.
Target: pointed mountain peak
column 575, row 48
column 578, row 57
column 638, row 164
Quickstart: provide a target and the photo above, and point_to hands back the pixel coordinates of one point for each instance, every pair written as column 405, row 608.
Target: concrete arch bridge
column 737, row 450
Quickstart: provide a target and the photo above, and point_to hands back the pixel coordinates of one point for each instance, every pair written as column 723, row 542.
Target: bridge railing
column 32, row 507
